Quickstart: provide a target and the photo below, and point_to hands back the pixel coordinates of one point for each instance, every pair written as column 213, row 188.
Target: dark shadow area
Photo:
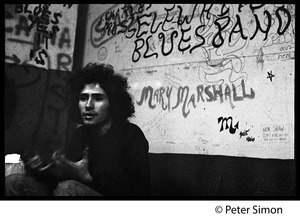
column 212, row 175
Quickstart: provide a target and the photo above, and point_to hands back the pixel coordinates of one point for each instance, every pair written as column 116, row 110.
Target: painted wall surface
column 206, row 79
column 39, row 45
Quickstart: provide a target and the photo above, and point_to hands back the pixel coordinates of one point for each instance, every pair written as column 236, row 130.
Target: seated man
column 107, row 154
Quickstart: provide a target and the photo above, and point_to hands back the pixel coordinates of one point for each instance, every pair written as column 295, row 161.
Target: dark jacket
column 118, row 160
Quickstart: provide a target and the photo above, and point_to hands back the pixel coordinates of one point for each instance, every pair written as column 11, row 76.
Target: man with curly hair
column 107, row 154
column 117, row 157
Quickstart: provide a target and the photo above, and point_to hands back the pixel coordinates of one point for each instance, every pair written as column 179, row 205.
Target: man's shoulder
column 130, row 128
column 132, row 125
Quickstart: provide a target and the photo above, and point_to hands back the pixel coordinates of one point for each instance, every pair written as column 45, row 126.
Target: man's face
column 93, row 105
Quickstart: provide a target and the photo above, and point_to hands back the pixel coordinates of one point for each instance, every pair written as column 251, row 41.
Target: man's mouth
column 89, row 115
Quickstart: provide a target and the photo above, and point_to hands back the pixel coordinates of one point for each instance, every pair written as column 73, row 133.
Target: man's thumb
column 85, row 153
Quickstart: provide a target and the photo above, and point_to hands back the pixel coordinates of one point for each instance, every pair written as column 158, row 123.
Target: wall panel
column 206, row 79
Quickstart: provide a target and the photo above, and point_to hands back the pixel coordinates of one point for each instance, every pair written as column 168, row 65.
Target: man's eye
column 98, row 98
column 83, row 98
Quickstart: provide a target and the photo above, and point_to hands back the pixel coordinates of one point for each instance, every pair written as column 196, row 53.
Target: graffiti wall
column 39, row 44
column 215, row 79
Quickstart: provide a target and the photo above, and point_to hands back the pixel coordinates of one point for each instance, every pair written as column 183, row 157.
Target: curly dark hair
column 115, row 86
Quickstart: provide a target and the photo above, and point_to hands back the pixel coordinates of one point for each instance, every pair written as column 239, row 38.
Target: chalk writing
column 228, row 70
column 278, row 128
column 286, row 56
column 287, row 52
column 260, row 57
column 102, row 54
column 276, row 133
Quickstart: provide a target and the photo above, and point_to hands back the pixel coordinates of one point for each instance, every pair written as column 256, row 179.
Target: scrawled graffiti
column 222, row 29
column 39, row 67
column 224, row 120
column 36, row 27
column 187, row 99
column 270, row 75
column 244, row 133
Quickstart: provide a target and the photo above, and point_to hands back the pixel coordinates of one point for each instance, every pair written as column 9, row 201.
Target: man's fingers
column 85, row 153
column 35, row 161
column 57, row 157
column 45, row 167
column 61, row 160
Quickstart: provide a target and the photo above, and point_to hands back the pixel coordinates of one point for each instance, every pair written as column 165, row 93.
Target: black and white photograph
column 151, row 102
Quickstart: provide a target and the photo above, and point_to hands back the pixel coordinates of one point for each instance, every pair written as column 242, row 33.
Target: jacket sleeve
column 74, row 149
column 140, row 161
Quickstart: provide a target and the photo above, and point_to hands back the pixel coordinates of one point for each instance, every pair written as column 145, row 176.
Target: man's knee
column 74, row 188
column 22, row 185
column 68, row 188
column 66, row 184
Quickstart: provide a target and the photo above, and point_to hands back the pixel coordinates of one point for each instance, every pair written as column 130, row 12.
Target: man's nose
column 89, row 103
